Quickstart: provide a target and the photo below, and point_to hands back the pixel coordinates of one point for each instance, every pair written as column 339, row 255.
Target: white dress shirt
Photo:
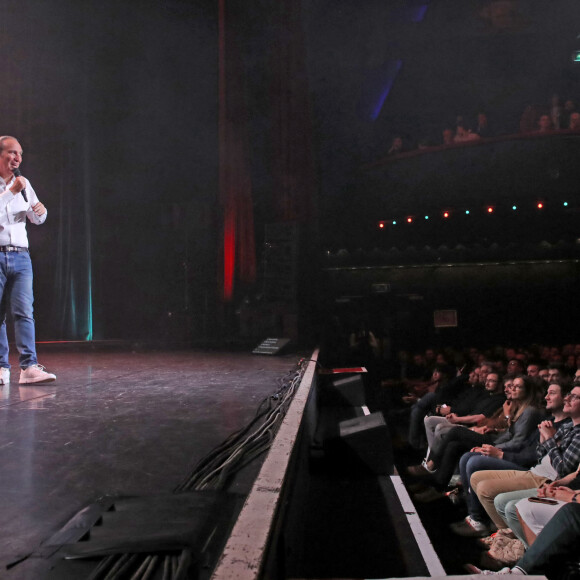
column 13, row 213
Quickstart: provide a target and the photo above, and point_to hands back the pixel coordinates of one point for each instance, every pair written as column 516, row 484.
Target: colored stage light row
column 447, row 213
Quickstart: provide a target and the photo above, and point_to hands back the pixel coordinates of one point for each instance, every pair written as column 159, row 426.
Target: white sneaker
column 35, row 374
column 4, row 376
column 470, row 528
column 475, row 570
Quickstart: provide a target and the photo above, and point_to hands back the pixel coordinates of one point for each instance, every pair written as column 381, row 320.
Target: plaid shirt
column 563, row 449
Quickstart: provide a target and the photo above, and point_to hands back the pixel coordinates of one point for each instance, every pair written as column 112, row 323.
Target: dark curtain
column 39, row 105
column 235, row 184
column 294, row 175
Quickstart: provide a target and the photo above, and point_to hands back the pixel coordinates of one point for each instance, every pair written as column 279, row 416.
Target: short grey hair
column 3, row 138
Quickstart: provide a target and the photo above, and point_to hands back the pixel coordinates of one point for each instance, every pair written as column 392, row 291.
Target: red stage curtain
column 235, row 185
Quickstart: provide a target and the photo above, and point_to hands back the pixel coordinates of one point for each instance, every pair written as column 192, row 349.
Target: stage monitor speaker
column 367, row 441
column 271, row 346
column 346, row 392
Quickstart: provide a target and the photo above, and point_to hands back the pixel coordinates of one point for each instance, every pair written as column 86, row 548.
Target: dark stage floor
column 116, row 423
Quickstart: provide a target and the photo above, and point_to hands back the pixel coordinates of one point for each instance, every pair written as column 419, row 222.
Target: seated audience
column 525, row 414
column 518, row 457
column 447, row 412
column 558, row 454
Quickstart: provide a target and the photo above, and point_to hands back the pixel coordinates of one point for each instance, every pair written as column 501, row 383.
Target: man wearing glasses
column 558, row 453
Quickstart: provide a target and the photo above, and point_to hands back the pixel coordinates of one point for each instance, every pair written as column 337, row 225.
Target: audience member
column 463, row 135
column 567, row 112
column 544, row 124
column 533, row 370
column 530, row 517
column 448, row 136
column 441, row 376
column 482, row 127
column 396, row 146
column 574, row 122
column 529, row 119
column 555, row 112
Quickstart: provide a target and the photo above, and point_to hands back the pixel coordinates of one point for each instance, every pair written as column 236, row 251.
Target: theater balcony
column 479, row 228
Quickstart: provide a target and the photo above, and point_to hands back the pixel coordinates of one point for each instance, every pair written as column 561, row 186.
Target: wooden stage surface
column 116, row 423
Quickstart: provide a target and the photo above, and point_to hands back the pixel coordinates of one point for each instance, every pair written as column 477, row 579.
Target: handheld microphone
column 18, row 174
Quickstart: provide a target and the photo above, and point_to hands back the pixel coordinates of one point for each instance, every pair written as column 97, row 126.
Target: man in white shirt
column 18, row 202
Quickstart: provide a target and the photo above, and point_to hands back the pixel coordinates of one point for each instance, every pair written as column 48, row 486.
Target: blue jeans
column 470, row 463
column 416, row 425
column 505, row 505
column 17, row 297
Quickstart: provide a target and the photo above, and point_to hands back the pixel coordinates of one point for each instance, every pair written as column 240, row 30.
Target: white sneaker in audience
column 470, row 528
column 475, row 570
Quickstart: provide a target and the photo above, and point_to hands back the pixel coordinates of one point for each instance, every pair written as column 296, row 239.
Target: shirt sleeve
column 32, row 200
column 5, row 197
column 564, row 458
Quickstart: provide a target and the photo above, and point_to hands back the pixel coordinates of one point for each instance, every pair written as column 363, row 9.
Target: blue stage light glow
column 392, row 71
column 420, row 13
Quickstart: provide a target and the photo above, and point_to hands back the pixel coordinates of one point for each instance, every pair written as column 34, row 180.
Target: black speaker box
column 366, row 441
column 345, row 392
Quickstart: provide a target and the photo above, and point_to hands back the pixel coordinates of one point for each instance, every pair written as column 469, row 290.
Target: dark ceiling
column 378, row 68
